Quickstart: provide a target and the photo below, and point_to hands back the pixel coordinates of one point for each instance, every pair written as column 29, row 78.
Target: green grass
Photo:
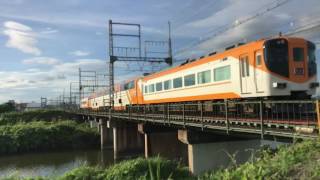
column 153, row 168
column 29, row 116
column 42, row 136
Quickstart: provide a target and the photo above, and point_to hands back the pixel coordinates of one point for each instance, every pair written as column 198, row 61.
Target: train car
column 84, row 103
column 274, row 68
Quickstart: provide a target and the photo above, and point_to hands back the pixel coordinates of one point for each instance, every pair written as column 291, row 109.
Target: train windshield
column 277, row 56
column 129, row 85
column 312, row 66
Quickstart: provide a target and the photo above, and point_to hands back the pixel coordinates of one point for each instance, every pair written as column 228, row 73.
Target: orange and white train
column 274, row 68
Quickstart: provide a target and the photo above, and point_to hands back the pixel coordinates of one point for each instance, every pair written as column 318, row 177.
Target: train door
column 258, row 75
column 244, row 74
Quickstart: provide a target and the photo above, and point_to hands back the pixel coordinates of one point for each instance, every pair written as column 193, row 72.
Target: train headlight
column 314, row 85
column 279, row 85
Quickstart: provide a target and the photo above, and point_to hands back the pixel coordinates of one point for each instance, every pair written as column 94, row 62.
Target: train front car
column 292, row 66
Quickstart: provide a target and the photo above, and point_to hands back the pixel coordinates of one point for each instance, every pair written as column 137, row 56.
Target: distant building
column 32, row 106
column 21, row 106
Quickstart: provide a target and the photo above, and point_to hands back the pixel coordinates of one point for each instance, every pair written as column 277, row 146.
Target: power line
column 307, row 27
column 223, row 29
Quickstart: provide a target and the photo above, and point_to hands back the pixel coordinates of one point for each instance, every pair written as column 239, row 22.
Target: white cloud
column 41, row 61
column 80, row 53
column 16, row 26
column 21, row 37
column 49, row 30
column 72, row 68
column 31, row 84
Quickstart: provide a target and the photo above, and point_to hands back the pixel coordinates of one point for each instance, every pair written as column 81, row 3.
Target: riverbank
column 297, row 161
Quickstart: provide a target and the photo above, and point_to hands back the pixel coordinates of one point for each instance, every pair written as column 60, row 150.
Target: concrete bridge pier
column 126, row 138
column 207, row 151
column 106, row 136
column 93, row 124
column 162, row 141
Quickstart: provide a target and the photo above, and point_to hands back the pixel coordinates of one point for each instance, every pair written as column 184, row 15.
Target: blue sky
column 43, row 43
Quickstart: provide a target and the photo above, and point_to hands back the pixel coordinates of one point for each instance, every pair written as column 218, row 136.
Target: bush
column 152, row 168
column 84, row 173
column 40, row 136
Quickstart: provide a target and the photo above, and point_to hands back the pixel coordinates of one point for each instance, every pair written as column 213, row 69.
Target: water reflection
column 52, row 163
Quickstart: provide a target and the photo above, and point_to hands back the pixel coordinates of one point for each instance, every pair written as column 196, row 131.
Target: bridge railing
column 227, row 114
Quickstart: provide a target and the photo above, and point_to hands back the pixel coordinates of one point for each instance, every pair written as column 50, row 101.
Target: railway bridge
column 191, row 128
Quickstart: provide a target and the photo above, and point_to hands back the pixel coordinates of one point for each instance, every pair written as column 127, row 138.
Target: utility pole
column 70, row 98
column 170, row 44
column 80, row 88
column 128, row 58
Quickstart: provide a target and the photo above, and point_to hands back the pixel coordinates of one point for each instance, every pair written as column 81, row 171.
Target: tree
column 7, row 107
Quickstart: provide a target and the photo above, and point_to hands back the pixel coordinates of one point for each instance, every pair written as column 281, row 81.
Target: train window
column 258, row 60
column 204, row 77
column 151, row 88
column 129, row 85
column 159, row 86
column 222, row 73
column 312, row 66
column 247, row 66
column 242, row 67
column 145, row 89
column 177, row 82
column 167, row 85
column 276, row 56
column 125, row 87
column 298, row 54
column 190, row 80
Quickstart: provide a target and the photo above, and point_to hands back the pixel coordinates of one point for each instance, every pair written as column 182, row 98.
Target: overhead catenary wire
column 223, row 29
column 315, row 25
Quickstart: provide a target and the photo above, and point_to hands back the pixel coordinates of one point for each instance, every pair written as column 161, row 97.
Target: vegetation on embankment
column 41, row 136
column 29, row 116
column 140, row 168
column 298, row 161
